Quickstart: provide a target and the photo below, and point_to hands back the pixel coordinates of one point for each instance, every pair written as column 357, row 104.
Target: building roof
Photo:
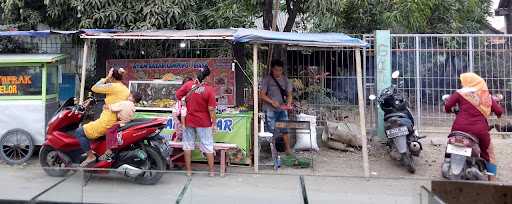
column 45, row 33
column 30, row 58
column 504, row 4
column 489, row 29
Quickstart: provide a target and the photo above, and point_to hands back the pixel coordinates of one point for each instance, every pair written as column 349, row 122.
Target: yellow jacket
column 115, row 92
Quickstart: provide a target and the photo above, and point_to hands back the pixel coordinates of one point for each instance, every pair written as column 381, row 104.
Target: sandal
column 106, row 157
column 87, row 162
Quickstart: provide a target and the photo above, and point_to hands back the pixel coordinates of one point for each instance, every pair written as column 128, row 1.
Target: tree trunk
column 267, row 14
column 292, row 10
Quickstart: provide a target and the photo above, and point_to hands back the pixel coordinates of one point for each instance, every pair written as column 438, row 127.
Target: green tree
column 402, row 16
column 350, row 16
column 23, row 14
column 145, row 15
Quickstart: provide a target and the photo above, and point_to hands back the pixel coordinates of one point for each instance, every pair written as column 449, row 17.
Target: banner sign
column 222, row 76
column 223, row 124
column 9, row 84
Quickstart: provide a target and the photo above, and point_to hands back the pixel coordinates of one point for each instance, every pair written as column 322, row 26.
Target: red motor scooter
column 140, row 155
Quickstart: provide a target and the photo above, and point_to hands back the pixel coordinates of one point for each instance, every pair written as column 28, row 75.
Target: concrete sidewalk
column 25, row 183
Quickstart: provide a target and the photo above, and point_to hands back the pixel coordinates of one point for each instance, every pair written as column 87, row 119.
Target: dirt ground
column 331, row 162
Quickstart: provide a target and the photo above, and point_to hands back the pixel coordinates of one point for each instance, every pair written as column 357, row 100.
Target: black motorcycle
column 402, row 138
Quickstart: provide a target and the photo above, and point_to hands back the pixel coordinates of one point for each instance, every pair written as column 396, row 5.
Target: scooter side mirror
column 498, row 97
column 395, row 74
column 372, row 97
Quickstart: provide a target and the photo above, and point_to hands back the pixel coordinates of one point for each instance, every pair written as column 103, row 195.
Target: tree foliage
column 24, row 14
column 351, row 16
column 156, row 14
column 402, row 16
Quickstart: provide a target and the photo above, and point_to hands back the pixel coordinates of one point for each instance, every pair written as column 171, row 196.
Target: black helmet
column 205, row 72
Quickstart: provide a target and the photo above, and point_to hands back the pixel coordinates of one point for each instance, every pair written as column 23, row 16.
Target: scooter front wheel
column 54, row 162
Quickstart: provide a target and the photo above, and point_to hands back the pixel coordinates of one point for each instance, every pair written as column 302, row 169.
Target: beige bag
column 339, row 135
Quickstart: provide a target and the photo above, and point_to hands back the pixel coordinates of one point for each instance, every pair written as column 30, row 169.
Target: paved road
column 25, row 183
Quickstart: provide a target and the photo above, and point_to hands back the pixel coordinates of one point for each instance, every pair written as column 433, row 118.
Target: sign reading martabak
column 9, row 84
column 170, row 69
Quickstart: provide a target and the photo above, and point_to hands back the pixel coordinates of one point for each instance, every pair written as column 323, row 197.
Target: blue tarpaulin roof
column 303, row 39
column 237, row 35
column 45, row 33
column 241, row 35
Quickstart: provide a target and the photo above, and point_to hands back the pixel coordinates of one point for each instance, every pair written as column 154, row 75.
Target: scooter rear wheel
column 53, row 161
column 408, row 162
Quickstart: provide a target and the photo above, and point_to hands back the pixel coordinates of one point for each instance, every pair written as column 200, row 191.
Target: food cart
column 157, row 81
column 29, row 85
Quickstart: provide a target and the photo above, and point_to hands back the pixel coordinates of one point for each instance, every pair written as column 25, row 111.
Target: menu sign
column 9, row 84
column 222, row 76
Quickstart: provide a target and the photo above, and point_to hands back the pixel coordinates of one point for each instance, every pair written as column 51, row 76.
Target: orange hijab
column 474, row 89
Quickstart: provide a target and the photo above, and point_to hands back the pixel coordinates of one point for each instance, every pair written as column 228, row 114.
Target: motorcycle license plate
column 453, row 149
column 397, row 132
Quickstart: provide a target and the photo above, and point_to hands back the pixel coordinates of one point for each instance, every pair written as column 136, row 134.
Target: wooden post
column 255, row 96
column 84, row 69
column 362, row 119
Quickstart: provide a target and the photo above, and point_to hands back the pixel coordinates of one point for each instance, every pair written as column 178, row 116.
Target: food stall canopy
column 240, row 35
column 300, row 39
column 30, row 58
column 167, row 34
column 237, row 35
column 46, row 33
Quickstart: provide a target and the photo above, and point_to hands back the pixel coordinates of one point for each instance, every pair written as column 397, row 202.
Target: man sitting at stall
column 199, row 100
column 276, row 93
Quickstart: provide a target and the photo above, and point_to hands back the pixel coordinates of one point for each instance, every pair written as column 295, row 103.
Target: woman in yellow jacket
column 115, row 92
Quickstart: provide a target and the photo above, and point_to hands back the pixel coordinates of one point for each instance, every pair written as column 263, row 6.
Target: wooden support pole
column 84, row 69
column 383, row 55
column 362, row 119
column 256, row 148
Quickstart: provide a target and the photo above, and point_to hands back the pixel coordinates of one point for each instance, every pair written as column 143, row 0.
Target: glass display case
column 157, row 95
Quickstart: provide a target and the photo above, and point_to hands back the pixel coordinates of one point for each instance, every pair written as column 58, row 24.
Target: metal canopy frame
column 255, row 47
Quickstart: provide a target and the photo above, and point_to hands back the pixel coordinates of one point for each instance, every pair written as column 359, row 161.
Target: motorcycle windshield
column 457, row 163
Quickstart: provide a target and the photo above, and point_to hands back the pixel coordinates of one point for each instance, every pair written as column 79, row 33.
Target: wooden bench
column 221, row 147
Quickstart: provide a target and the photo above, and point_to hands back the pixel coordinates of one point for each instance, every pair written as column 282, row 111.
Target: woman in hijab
column 475, row 106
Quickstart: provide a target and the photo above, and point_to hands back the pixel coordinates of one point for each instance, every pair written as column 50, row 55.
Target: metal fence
column 430, row 66
column 324, row 79
column 70, row 45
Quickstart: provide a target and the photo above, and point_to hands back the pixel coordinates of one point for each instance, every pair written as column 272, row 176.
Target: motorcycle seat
column 392, row 115
column 463, row 134
column 134, row 122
